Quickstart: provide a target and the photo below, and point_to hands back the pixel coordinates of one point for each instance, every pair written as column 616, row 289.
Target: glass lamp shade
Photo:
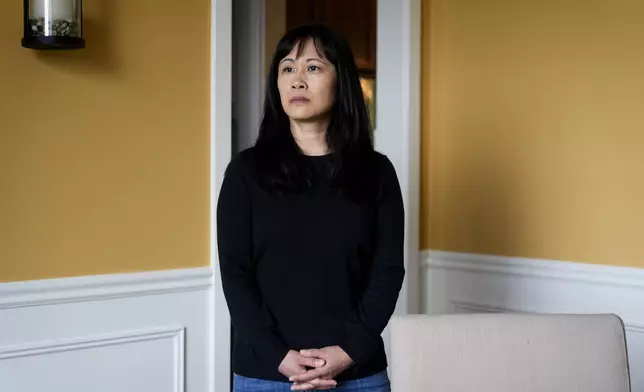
column 53, row 24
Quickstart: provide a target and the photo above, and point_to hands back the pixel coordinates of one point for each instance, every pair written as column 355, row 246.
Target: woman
column 310, row 227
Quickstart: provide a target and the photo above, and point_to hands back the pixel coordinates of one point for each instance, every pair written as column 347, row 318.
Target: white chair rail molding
column 136, row 332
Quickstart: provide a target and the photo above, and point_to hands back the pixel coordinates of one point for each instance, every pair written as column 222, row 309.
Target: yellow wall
column 104, row 152
column 533, row 129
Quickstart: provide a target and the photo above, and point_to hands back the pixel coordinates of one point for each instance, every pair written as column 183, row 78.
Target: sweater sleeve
column 237, row 268
column 376, row 306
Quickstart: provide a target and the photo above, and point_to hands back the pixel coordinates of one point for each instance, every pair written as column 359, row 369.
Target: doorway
column 258, row 26
column 244, row 34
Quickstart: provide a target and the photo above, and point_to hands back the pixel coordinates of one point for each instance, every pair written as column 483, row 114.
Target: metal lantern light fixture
column 53, row 24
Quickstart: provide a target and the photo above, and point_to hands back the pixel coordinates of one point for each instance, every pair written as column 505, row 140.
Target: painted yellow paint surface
column 104, row 152
column 533, row 129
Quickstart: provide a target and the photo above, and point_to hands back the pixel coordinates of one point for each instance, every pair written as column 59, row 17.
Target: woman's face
column 306, row 84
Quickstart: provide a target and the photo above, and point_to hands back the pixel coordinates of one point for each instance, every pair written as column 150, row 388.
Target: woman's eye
column 287, row 69
column 313, row 68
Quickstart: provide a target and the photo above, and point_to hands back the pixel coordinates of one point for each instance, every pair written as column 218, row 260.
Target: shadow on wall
column 99, row 55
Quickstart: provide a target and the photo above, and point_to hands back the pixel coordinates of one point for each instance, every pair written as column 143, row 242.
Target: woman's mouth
column 299, row 100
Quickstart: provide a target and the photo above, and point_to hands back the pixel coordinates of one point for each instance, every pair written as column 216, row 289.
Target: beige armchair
column 508, row 353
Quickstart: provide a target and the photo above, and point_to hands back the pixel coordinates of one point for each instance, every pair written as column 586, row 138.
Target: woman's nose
column 298, row 83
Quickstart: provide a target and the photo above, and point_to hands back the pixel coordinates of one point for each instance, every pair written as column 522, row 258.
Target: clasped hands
column 315, row 369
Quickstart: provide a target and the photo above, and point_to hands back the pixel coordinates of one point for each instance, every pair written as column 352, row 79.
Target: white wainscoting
column 469, row 283
column 140, row 332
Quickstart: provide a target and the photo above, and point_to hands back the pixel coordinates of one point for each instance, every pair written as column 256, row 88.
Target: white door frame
column 397, row 131
column 397, row 135
column 220, row 154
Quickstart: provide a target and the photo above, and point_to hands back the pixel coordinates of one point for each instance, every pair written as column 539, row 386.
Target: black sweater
column 308, row 270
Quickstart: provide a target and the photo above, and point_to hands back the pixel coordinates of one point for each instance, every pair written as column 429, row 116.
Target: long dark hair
column 281, row 165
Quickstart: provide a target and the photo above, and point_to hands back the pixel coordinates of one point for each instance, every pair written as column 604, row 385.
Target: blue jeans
column 376, row 383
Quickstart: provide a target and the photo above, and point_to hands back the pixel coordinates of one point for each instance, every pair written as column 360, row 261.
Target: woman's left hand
column 336, row 359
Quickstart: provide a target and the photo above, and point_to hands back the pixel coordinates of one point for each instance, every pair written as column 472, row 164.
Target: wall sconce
column 53, row 24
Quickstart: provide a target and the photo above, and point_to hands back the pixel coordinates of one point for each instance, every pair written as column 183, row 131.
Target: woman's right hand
column 294, row 363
